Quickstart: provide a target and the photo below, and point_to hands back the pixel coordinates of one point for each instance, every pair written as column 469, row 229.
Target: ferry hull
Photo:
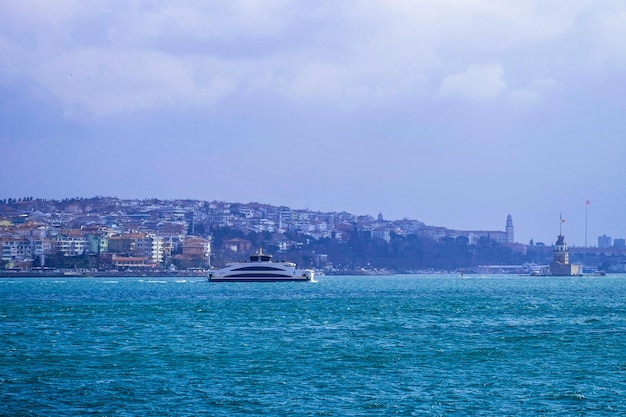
column 258, row 279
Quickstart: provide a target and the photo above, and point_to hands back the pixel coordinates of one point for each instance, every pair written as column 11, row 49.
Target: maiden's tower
column 561, row 266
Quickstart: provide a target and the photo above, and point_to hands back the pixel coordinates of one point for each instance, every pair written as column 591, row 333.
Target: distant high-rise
column 604, row 241
column 509, row 230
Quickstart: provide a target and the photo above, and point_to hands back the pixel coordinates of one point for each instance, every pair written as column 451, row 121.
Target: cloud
column 107, row 58
column 609, row 37
column 193, row 21
column 532, row 92
column 108, row 82
column 476, row 82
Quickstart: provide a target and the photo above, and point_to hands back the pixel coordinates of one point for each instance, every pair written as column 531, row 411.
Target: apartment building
column 71, row 243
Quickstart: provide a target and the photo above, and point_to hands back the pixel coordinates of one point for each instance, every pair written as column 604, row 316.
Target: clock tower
column 509, row 230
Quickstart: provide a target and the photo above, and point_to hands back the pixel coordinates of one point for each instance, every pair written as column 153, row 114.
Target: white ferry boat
column 261, row 268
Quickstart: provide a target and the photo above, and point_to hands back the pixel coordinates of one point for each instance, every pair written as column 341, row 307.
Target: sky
column 455, row 113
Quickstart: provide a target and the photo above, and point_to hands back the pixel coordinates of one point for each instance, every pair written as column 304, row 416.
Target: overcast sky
column 452, row 112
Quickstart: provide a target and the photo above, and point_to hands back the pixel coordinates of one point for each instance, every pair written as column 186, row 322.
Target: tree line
column 399, row 253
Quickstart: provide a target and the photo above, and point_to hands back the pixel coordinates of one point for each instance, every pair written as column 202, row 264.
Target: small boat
column 261, row 268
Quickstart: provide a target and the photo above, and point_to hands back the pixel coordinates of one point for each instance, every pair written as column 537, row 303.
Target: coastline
column 91, row 274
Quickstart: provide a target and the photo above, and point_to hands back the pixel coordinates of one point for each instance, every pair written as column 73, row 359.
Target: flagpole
column 586, row 205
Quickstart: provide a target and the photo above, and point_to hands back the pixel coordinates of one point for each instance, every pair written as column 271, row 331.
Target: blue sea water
column 402, row 345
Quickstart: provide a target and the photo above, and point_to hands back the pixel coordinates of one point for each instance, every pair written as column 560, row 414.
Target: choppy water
column 343, row 346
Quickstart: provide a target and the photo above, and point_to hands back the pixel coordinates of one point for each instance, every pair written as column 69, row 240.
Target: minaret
column 509, row 230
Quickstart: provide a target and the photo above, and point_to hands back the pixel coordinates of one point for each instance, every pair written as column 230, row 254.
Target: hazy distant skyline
column 455, row 112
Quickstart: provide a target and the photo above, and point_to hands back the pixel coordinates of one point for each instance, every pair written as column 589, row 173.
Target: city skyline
column 33, row 205
column 451, row 113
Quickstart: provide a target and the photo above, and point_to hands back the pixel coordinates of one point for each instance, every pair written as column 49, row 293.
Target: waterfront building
column 130, row 262
column 238, row 245
column 505, row 237
column 197, row 248
column 15, row 249
column 146, row 245
column 71, row 242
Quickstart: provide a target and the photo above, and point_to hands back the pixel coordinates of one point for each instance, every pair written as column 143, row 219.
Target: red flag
column 588, row 202
column 562, row 220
